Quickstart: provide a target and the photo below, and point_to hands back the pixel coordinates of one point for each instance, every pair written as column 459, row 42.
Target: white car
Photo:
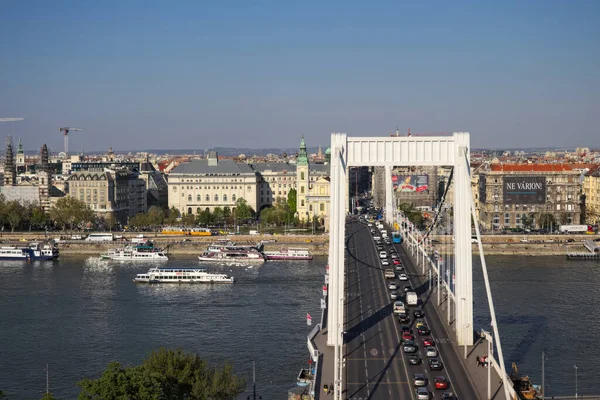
column 382, row 254
column 393, row 295
column 402, row 277
column 399, row 267
column 422, row 393
column 394, row 256
column 392, row 286
column 385, row 262
column 431, row 351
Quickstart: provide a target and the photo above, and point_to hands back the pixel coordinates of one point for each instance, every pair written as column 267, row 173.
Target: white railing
column 314, row 353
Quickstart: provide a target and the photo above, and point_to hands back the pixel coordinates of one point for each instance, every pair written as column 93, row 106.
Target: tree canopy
column 243, row 211
column 71, row 212
column 164, row 374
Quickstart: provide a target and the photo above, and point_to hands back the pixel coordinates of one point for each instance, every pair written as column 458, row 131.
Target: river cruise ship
column 181, row 275
column 253, row 256
column 288, row 254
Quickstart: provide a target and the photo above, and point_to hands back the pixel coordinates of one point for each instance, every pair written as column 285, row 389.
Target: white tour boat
column 181, row 275
column 288, row 254
column 141, row 252
column 232, row 255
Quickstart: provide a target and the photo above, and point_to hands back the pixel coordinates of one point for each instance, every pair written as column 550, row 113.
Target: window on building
column 322, row 207
column 216, row 197
column 507, row 219
column 302, row 203
column 224, row 198
column 558, row 207
column 189, row 210
column 198, row 211
column 189, row 197
column 496, row 220
column 302, row 189
column 302, row 175
column 310, row 208
column 198, row 197
column 207, row 197
column 233, row 198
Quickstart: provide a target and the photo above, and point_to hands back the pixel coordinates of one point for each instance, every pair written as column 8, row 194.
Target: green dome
column 328, row 151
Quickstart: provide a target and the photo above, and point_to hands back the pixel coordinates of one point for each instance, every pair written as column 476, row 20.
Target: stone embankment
column 536, row 245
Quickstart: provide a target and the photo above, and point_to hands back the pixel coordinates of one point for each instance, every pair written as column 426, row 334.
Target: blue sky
column 196, row 74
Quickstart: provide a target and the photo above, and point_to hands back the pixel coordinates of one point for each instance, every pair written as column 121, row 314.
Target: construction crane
column 66, row 131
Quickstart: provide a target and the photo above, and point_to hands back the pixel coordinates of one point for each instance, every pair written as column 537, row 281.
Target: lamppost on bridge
column 575, row 382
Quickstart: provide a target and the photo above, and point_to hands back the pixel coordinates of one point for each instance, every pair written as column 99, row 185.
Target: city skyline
column 146, row 75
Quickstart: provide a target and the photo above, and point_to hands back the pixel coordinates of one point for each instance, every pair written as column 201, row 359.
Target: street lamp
column 575, row 382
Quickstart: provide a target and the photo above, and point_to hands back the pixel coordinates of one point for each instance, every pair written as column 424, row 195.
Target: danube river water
column 79, row 314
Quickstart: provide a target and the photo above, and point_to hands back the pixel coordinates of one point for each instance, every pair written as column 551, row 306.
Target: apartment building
column 591, row 190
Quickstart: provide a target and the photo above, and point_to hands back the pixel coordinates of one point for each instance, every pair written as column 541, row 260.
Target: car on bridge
column 409, row 347
column 385, row 262
column 407, row 288
column 435, row 364
column 448, row 396
column 382, row 254
column 403, row 277
column 427, row 341
column 419, row 380
column 414, row 359
column 403, row 319
column 407, row 336
column 393, row 295
column 398, row 267
column 392, row 285
column 418, row 313
column 423, row 330
column 440, row 382
column 396, row 261
column 422, row 393
column 431, row 351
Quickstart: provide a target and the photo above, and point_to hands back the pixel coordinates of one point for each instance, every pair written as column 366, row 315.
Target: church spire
column 302, row 156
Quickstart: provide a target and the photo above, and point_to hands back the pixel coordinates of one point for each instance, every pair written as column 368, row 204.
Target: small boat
column 181, row 275
column 232, row 255
column 227, row 245
column 288, row 254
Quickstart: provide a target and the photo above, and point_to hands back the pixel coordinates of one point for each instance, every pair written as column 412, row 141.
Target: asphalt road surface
column 376, row 366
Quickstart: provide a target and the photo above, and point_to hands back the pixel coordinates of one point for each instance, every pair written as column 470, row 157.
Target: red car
column 407, row 336
column 396, row 261
column 427, row 341
column 440, row 382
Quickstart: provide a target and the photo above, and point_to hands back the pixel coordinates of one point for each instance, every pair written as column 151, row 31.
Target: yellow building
column 591, row 190
column 312, row 189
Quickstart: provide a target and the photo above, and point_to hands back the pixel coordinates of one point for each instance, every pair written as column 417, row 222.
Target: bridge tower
column 389, row 152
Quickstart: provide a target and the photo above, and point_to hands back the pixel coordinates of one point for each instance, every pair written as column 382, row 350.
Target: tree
column 68, row 211
column 218, row 215
column 172, row 216
column 156, row 216
column 188, row 220
column 527, row 220
column 39, row 219
column 243, row 211
column 110, row 221
column 48, row 396
column 227, row 215
column 205, row 218
column 2, row 395
column 14, row 214
column 292, row 201
column 546, row 221
column 165, row 374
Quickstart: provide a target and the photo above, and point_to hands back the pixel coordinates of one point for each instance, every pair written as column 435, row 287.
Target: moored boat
column 288, row 254
column 35, row 252
column 232, row 255
column 181, row 275
column 141, row 252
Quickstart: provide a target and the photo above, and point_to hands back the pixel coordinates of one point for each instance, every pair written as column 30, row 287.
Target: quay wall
column 536, row 245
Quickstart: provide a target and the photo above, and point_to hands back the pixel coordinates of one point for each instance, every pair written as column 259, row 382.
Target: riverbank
column 536, row 245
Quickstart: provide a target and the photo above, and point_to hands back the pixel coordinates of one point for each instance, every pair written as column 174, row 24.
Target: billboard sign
column 524, row 190
column 410, row 183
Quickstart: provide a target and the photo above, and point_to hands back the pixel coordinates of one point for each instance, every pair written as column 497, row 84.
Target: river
column 79, row 314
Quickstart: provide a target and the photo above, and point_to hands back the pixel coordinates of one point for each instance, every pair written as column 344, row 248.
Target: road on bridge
column 376, row 366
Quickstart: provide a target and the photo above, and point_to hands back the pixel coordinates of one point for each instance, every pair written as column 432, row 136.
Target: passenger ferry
column 181, row 275
column 227, row 245
column 232, row 255
column 35, row 251
column 141, row 252
column 288, row 254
